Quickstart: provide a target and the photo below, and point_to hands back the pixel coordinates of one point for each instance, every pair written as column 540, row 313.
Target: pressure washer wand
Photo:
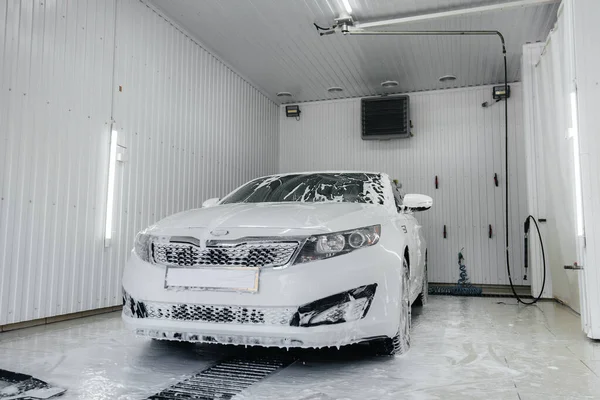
column 526, row 248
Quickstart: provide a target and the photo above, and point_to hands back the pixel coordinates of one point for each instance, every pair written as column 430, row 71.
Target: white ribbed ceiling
column 275, row 45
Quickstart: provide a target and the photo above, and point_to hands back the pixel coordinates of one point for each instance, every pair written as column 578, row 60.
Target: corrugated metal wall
column 455, row 139
column 56, row 63
column 190, row 128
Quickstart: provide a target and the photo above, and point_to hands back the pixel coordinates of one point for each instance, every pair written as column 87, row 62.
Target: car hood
column 315, row 216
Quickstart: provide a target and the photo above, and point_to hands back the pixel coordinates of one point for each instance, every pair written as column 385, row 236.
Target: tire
column 424, row 295
column 400, row 343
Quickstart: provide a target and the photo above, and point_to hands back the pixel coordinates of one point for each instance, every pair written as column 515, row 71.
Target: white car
column 313, row 259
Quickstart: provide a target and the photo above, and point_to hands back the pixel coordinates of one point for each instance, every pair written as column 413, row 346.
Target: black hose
column 512, row 286
column 320, row 28
column 479, row 33
column 535, row 300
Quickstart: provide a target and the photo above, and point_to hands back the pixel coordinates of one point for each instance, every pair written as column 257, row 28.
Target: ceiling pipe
column 348, row 29
column 455, row 13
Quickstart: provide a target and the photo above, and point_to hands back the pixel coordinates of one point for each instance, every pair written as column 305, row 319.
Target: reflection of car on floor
column 293, row 260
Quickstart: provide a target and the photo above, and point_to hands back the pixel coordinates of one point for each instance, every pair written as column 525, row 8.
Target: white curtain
column 552, row 142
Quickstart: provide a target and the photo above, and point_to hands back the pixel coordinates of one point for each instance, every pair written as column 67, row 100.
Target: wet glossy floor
column 461, row 348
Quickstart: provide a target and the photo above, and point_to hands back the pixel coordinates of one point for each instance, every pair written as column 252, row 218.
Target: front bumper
column 264, row 337
column 265, row 318
column 252, row 335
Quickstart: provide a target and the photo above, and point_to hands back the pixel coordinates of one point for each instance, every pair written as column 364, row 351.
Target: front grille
column 274, row 254
column 208, row 313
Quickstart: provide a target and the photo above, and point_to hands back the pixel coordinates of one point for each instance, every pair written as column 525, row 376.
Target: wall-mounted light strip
column 574, row 133
column 110, row 192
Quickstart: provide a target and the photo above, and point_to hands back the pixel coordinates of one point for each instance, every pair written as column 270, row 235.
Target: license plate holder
column 226, row 279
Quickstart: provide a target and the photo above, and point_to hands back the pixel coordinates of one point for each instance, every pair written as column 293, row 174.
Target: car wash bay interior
column 118, row 113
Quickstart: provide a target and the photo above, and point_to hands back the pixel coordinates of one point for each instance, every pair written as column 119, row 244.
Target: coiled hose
column 463, row 286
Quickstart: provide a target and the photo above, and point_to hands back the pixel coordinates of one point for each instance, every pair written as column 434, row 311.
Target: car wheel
column 424, row 295
column 400, row 343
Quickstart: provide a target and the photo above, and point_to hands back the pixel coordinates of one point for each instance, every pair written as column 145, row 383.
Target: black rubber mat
column 447, row 291
column 226, row 379
column 16, row 386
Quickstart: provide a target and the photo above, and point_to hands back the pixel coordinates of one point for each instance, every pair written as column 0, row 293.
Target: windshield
column 317, row 187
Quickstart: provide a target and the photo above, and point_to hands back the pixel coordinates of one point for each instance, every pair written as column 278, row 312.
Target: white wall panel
column 455, row 139
column 548, row 79
column 536, row 175
column 192, row 129
column 586, row 16
column 56, row 62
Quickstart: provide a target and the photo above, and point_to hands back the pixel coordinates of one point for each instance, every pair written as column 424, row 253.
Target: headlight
column 142, row 246
column 319, row 247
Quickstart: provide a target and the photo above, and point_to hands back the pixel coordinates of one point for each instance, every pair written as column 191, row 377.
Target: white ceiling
column 274, row 44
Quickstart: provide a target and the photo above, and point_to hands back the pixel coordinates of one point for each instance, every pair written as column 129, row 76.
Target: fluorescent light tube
column 110, row 192
column 577, row 165
column 347, row 6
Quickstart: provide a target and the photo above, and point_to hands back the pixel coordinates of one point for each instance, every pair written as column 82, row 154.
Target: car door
column 416, row 253
column 405, row 225
column 409, row 225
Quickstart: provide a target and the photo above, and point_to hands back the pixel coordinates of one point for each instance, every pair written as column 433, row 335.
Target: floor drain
column 225, row 379
column 16, row 386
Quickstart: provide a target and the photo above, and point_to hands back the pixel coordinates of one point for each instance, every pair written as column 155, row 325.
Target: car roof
column 319, row 172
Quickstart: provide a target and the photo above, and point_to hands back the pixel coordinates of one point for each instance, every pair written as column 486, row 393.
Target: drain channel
column 224, row 380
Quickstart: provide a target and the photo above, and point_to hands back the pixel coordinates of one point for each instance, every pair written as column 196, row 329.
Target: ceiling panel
column 275, row 45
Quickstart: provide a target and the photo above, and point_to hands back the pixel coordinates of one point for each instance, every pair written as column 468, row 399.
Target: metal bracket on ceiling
column 344, row 21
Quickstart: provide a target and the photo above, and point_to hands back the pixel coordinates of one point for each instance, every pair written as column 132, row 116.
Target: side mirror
column 210, row 202
column 417, row 202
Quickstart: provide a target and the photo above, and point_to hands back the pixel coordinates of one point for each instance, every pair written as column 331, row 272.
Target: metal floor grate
column 224, row 380
column 14, row 386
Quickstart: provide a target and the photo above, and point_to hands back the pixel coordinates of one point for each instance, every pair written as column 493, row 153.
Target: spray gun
column 526, row 247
